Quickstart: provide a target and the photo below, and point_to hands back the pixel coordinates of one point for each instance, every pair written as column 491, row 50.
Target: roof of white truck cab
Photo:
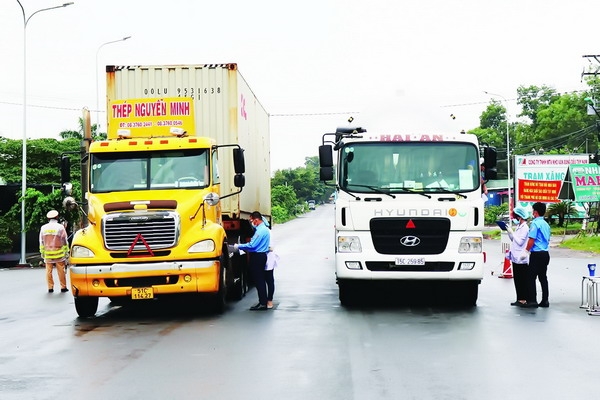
column 412, row 137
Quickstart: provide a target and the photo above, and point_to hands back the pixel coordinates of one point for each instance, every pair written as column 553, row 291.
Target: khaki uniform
column 54, row 248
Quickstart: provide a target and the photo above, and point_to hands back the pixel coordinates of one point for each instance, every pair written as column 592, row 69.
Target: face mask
column 515, row 221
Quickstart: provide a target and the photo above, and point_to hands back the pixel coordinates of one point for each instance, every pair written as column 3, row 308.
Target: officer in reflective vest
column 54, row 248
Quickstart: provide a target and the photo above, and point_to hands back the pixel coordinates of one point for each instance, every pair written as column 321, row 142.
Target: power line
column 41, row 106
column 313, row 114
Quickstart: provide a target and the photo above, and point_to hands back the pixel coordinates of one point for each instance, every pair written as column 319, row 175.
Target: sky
column 395, row 66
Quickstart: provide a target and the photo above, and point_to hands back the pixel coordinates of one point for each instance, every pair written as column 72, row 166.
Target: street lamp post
column 97, row 85
column 507, row 150
column 26, row 19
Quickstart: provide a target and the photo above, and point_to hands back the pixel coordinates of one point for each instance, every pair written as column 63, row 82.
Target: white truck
column 408, row 208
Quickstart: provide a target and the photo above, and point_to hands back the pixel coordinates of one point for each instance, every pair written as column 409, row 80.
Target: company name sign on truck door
column 150, row 117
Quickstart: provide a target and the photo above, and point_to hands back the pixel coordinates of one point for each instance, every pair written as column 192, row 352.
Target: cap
column 521, row 212
column 481, row 160
column 52, row 214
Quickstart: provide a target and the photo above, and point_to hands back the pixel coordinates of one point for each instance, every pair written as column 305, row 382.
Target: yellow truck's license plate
column 142, row 293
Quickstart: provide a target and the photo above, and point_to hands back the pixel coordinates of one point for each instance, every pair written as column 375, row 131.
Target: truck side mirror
column 239, row 165
column 490, row 160
column 239, row 180
column 65, row 169
column 326, row 173
column 325, row 162
column 325, row 156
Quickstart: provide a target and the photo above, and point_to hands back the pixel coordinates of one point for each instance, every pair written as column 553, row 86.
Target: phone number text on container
column 149, row 124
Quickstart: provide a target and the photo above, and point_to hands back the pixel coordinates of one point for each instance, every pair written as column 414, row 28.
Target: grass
column 583, row 243
column 589, row 242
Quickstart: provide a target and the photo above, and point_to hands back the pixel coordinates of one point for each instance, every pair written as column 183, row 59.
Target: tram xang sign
column 540, row 177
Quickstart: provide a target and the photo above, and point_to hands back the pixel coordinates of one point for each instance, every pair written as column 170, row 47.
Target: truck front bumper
column 379, row 267
column 117, row 280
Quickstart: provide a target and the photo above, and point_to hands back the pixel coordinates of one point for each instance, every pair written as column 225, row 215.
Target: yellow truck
column 185, row 163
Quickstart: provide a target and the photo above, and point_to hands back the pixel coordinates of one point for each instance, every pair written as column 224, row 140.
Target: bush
column 493, row 212
column 280, row 214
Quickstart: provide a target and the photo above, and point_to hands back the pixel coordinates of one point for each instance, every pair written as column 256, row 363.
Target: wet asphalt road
column 308, row 346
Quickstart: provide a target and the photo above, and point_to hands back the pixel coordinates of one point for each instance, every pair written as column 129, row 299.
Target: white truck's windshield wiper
column 442, row 189
column 375, row 189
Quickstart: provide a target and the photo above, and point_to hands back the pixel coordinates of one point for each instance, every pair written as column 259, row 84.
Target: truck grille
column 158, row 229
column 420, row 235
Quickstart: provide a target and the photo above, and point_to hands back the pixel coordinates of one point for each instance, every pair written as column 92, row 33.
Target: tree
column 284, row 201
column 565, row 123
column 43, row 171
column 43, row 160
column 562, row 210
column 80, row 133
column 533, row 99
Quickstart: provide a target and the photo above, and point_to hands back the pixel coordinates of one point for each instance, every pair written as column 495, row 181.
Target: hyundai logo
column 410, row 241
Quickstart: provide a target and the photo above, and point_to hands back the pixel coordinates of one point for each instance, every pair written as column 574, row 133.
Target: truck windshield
column 114, row 172
column 404, row 167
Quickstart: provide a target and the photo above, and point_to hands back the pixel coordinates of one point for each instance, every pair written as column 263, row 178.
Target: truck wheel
column 86, row 306
column 238, row 288
column 219, row 299
column 470, row 293
column 347, row 294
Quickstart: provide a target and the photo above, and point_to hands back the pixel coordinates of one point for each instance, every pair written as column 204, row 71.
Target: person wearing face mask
column 538, row 243
column 518, row 240
column 257, row 249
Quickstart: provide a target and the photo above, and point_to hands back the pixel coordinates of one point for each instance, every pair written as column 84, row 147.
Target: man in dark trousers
column 539, row 258
column 257, row 248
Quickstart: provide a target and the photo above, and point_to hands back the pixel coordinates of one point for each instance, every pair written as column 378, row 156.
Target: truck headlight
column 349, row 244
column 204, row 246
column 81, row 252
column 470, row 245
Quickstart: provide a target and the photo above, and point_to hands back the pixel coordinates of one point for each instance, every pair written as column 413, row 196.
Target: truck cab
column 408, row 208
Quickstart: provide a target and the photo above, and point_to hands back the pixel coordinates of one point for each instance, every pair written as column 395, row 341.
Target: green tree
column 43, row 171
column 561, row 210
column 43, row 160
column 532, row 99
column 284, row 201
column 78, row 134
column 565, row 123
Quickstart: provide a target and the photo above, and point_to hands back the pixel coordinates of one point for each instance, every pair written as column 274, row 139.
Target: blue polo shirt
column 539, row 231
column 260, row 241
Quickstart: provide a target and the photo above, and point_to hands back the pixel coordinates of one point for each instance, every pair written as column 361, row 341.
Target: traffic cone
column 507, row 268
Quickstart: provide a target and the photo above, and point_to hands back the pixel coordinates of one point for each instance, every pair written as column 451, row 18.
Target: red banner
column 544, row 191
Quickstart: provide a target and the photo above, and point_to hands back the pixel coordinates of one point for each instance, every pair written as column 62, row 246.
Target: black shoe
column 258, row 307
column 515, row 303
column 544, row 304
column 64, row 290
column 50, row 290
column 529, row 304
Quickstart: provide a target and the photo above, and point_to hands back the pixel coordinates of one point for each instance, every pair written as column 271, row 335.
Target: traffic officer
column 54, row 248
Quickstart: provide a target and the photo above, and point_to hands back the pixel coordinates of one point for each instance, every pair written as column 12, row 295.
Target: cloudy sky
column 394, row 65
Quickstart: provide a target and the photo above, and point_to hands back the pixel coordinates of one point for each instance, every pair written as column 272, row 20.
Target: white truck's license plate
column 410, row 261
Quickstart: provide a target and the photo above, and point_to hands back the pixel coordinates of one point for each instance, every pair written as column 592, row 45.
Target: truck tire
column 236, row 285
column 218, row 300
column 470, row 293
column 347, row 294
column 86, row 306
column 238, row 288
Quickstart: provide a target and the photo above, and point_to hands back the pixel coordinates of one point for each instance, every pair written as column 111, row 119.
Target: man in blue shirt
column 539, row 258
column 257, row 248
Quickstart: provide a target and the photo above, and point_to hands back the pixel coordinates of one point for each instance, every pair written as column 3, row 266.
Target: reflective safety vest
column 53, row 241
